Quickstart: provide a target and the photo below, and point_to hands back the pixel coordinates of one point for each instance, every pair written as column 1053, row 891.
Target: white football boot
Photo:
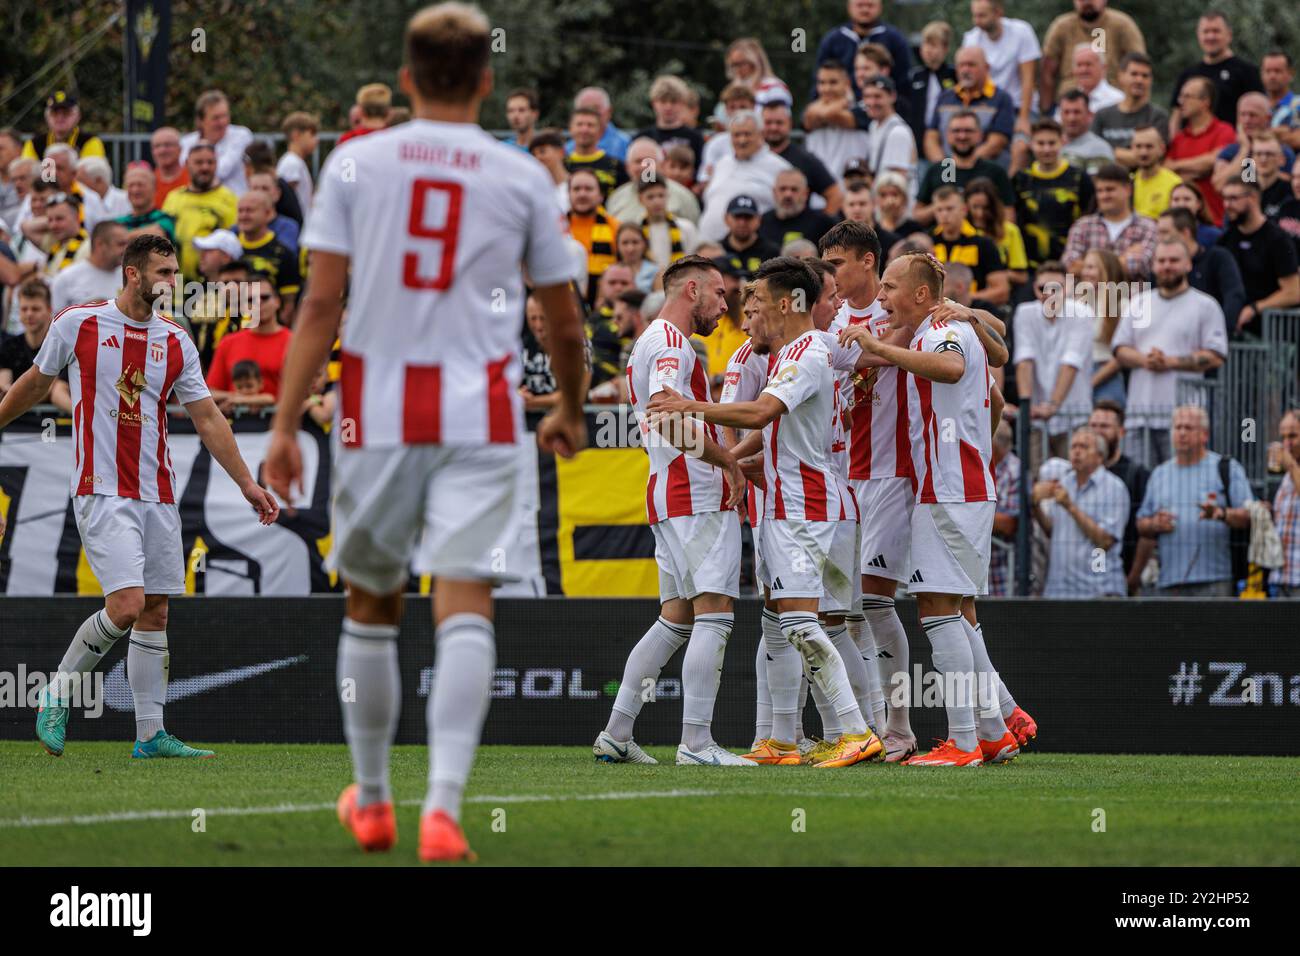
column 609, row 750
column 710, row 756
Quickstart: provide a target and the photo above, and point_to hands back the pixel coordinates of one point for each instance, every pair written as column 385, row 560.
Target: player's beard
column 701, row 321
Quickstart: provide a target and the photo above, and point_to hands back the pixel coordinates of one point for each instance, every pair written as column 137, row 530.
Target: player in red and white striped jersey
column 693, row 486
column 126, row 362
column 804, row 540
column 433, row 218
column 948, row 413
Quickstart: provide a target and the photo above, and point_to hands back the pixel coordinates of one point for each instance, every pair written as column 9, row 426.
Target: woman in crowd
column 1187, row 196
column 1100, row 277
column 630, row 246
column 893, row 205
column 987, row 213
column 747, row 64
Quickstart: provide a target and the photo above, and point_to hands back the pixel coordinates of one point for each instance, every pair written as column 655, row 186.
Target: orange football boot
column 947, row 754
column 442, row 840
column 374, row 825
column 1022, row 726
column 1000, row 751
column 775, row 753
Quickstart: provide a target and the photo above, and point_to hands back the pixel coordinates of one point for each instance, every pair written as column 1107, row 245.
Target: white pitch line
column 135, row 816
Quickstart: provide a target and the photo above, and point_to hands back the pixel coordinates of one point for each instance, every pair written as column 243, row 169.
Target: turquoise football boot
column 164, row 744
column 51, row 723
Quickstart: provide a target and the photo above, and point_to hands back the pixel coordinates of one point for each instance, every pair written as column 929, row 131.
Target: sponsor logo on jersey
column 136, row 335
column 667, row 364
column 130, row 385
column 731, row 378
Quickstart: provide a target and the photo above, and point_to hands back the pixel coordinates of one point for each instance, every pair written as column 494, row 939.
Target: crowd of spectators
column 1126, row 243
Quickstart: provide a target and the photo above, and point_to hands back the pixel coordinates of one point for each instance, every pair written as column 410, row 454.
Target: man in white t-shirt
column 99, row 276
column 891, row 147
column 750, row 170
column 836, row 127
column 425, row 225
column 212, row 122
column 1167, row 334
column 1012, row 50
column 302, row 133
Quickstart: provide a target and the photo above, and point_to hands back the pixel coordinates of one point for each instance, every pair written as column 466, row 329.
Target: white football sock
column 831, row 728
column 803, row 702
column 370, row 694
column 465, row 659
column 860, row 634
column 763, row 707
column 953, row 660
column 855, row 668
column 652, row 652
column 783, row 672
column 988, row 718
column 94, row 638
column 824, row 666
column 891, row 661
column 147, row 662
column 701, row 676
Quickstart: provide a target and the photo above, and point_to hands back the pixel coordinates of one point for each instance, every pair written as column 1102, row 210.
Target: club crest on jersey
column 156, row 351
column 130, row 385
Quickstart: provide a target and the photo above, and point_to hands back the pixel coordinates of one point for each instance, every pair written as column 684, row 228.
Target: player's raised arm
column 564, row 429
column 314, row 333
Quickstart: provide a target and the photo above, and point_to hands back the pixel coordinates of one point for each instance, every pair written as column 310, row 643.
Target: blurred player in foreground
column 434, row 217
column 126, row 361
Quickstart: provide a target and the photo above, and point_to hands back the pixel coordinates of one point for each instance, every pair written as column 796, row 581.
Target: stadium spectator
column 864, row 26
column 260, row 158
column 836, row 125
column 743, row 247
column 955, row 240
column 286, row 230
column 645, row 159
column 890, row 146
column 1114, row 226
column 397, row 116
column 90, row 208
column 1090, row 78
column 202, row 205
column 747, row 64
column 964, row 139
column 266, row 254
column 1284, row 457
column 1118, row 32
column 18, row 352
column 98, row 276
column 1080, row 144
column 670, row 98
column 213, row 126
column 538, row 387
column 249, row 392
column 1197, row 137
column 1050, row 196
column 592, row 226
column 227, row 299
column 1012, row 52
column 607, row 344
column 750, row 171
column 1231, row 75
column 612, row 139
column 547, row 147
column 628, row 316
column 668, row 238
column 1288, row 215
column 584, row 132
column 374, row 103
column 1107, row 420
column 1083, row 514
column 1189, row 507
column 143, row 216
column 71, row 244
column 1117, row 123
column 1276, row 74
column 630, row 244
column 790, row 218
column 1006, row 518
column 169, row 172
column 28, row 245
column 96, row 175
column 1052, row 338
column 1253, row 117
column 1189, row 197
column 735, row 98
column 778, row 122
column 63, row 125
column 679, row 165
column 891, row 200
column 264, row 342
column 1168, row 333
column 1214, row 270
column 988, row 214
column 1153, row 181
column 974, row 93
column 1264, row 253
column 928, row 79
column 1271, row 174
column 11, row 147
column 523, row 109
column 302, row 136
column 1101, row 275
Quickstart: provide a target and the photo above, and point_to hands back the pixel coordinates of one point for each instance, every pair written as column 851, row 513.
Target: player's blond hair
column 375, row 100
column 447, row 49
column 923, row 269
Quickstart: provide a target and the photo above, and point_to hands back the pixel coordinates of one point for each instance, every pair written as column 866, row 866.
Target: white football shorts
column 698, row 554
column 950, row 548
column 131, row 543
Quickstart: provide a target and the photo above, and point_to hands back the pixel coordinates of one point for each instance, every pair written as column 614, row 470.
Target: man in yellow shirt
column 63, row 125
column 200, row 207
column 1152, row 181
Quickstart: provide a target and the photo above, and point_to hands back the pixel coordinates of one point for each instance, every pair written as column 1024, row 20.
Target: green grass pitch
column 557, row 806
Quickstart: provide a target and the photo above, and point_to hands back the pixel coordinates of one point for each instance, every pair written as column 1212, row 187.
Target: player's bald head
column 447, row 49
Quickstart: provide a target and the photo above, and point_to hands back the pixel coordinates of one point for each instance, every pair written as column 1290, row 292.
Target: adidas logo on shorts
column 878, row 562
column 916, row 577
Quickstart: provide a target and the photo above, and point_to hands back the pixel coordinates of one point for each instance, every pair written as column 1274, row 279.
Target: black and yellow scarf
column 674, row 237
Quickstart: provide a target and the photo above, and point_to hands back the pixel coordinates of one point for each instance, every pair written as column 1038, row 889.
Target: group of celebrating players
column 857, row 424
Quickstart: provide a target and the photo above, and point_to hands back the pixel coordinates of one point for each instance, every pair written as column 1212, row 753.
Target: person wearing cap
column 374, row 101
column 750, row 170
column 778, row 121
column 216, row 249
column 144, row 216
column 212, row 125
column 743, row 247
column 201, row 206
column 891, row 147
column 63, row 125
